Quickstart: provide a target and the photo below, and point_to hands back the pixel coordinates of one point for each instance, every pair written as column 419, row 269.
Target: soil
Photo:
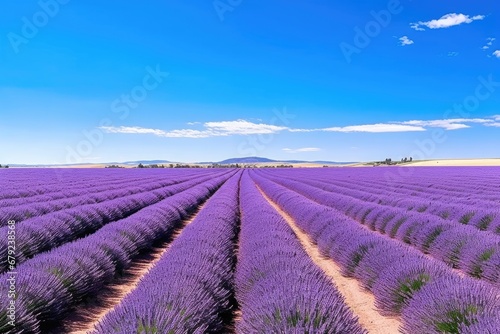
column 86, row 317
column 360, row 301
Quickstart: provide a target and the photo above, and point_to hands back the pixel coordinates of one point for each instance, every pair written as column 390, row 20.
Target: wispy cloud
column 494, row 124
column 243, row 127
column 211, row 129
column 416, row 26
column 405, row 41
column 497, row 53
column 131, row 130
column 446, row 21
column 369, row 128
column 301, row 150
column 452, row 54
column 376, row 128
column 449, row 124
column 489, row 42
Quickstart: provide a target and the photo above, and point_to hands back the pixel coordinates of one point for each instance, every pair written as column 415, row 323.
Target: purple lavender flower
column 448, row 304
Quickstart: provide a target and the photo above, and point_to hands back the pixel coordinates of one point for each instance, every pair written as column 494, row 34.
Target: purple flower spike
column 448, row 304
column 396, row 287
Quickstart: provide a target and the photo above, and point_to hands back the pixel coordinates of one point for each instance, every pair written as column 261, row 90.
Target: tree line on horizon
column 214, row 165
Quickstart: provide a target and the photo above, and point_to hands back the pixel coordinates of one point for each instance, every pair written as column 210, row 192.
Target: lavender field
column 329, row 250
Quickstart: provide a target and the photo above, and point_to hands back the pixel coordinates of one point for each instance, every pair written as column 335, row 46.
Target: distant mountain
column 131, row 163
column 241, row 161
column 48, row 165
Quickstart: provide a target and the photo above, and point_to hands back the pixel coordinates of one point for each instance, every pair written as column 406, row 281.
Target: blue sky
column 93, row 81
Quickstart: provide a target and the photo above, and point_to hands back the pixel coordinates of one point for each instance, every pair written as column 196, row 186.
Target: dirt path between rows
column 458, row 272
column 360, row 301
column 86, row 317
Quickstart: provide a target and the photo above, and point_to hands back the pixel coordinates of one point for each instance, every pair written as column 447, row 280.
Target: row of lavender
column 58, row 183
column 278, row 287
column 481, row 212
column 429, row 198
column 466, row 184
column 429, row 296
column 454, row 244
column 190, row 289
column 53, row 283
column 42, row 181
column 102, row 193
column 47, row 192
column 46, row 232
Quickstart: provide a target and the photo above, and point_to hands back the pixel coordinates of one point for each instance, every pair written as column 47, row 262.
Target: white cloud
column 494, row 124
column 416, row 26
column 369, row 128
column 211, row 129
column 449, row 124
column 189, row 133
column 193, row 123
column 243, row 127
column 300, row 150
column 305, row 130
column 376, row 128
column 131, row 130
column 446, row 21
column 452, row 54
column 405, row 41
column 497, row 53
column 489, row 42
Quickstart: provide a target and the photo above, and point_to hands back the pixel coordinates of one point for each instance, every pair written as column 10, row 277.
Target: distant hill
column 130, row 163
column 48, row 165
column 241, row 161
